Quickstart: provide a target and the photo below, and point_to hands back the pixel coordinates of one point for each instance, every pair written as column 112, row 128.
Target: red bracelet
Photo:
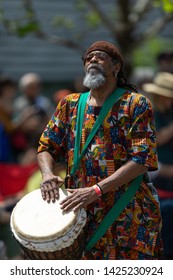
column 98, row 190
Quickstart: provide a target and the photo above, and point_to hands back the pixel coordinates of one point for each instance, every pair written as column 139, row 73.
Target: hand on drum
column 50, row 187
column 78, row 198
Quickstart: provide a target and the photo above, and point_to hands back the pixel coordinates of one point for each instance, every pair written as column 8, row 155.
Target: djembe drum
column 45, row 232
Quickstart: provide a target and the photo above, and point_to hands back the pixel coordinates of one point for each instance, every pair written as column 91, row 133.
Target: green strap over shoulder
column 79, row 123
column 110, row 101
column 120, row 205
column 114, row 212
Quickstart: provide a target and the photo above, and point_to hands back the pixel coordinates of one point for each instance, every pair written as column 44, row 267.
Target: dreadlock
column 122, row 82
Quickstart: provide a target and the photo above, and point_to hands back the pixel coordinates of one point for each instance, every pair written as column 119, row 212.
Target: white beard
column 94, row 77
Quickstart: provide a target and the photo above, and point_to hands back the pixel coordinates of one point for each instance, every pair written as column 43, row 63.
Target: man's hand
column 50, row 187
column 78, row 198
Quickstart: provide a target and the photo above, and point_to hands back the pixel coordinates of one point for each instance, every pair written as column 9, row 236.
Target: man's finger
column 43, row 188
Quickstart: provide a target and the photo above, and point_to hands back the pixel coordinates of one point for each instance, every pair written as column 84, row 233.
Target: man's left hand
column 78, row 198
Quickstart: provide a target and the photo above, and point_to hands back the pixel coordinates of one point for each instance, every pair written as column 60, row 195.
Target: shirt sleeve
column 53, row 137
column 141, row 137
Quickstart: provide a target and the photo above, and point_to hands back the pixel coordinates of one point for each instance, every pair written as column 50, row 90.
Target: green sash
column 80, row 117
column 114, row 212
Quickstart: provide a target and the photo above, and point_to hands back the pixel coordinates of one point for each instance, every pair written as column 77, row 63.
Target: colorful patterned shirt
column 127, row 133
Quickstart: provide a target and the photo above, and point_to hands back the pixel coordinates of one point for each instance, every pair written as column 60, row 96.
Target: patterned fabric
column 128, row 132
column 120, row 253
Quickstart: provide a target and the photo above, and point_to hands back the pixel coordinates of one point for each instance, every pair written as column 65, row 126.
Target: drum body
column 45, row 232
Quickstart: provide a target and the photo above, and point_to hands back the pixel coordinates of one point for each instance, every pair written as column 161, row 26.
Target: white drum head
column 33, row 220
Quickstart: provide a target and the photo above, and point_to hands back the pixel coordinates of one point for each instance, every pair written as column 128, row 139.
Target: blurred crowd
column 158, row 87
column 25, row 111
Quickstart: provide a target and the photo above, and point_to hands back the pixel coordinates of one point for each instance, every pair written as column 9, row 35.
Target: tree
column 122, row 22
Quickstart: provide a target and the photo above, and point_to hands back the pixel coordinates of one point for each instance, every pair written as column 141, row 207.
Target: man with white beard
column 95, row 76
column 101, row 170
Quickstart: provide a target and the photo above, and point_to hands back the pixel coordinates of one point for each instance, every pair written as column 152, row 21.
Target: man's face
column 98, row 66
column 32, row 90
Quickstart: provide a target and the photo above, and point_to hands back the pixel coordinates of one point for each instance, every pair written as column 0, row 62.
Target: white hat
column 162, row 85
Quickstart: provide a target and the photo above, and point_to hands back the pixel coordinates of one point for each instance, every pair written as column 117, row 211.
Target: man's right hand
column 50, row 187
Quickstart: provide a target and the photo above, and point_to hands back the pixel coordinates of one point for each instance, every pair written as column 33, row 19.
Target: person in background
column 30, row 87
column 9, row 180
column 8, row 127
column 4, row 218
column 165, row 61
column 59, row 94
column 30, row 99
column 9, row 248
column 3, row 251
column 123, row 148
column 160, row 92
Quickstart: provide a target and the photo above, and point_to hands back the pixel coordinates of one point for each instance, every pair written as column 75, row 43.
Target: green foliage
column 29, row 23
column 16, row 26
column 146, row 54
column 93, row 20
column 30, row 27
column 167, row 5
column 80, row 5
column 22, row 26
column 60, row 21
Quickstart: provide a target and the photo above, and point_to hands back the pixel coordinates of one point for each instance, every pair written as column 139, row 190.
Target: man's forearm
column 123, row 175
column 46, row 163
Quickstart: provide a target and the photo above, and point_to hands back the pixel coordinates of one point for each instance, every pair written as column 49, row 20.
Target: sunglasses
column 98, row 55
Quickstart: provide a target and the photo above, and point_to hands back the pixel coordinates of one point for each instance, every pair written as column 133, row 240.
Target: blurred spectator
column 161, row 94
column 9, row 248
column 8, row 128
column 13, row 179
column 165, row 61
column 3, row 251
column 7, row 93
column 59, row 94
column 142, row 75
column 3, row 247
column 31, row 99
column 30, row 86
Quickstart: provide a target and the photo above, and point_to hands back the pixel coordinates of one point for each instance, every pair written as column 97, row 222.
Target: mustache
column 95, row 66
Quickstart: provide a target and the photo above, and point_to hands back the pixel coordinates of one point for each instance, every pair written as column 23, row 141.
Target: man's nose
column 94, row 58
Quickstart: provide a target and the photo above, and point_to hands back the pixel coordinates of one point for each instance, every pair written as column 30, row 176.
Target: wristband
column 98, row 190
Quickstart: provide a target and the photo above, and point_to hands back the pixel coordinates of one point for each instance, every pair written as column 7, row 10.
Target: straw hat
column 162, row 85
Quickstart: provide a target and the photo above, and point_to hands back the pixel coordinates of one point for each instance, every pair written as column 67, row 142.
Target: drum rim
column 55, row 243
column 29, row 236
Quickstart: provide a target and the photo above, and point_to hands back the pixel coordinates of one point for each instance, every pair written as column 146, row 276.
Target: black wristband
column 100, row 188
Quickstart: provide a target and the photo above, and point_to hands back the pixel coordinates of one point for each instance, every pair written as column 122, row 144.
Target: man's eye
column 89, row 58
